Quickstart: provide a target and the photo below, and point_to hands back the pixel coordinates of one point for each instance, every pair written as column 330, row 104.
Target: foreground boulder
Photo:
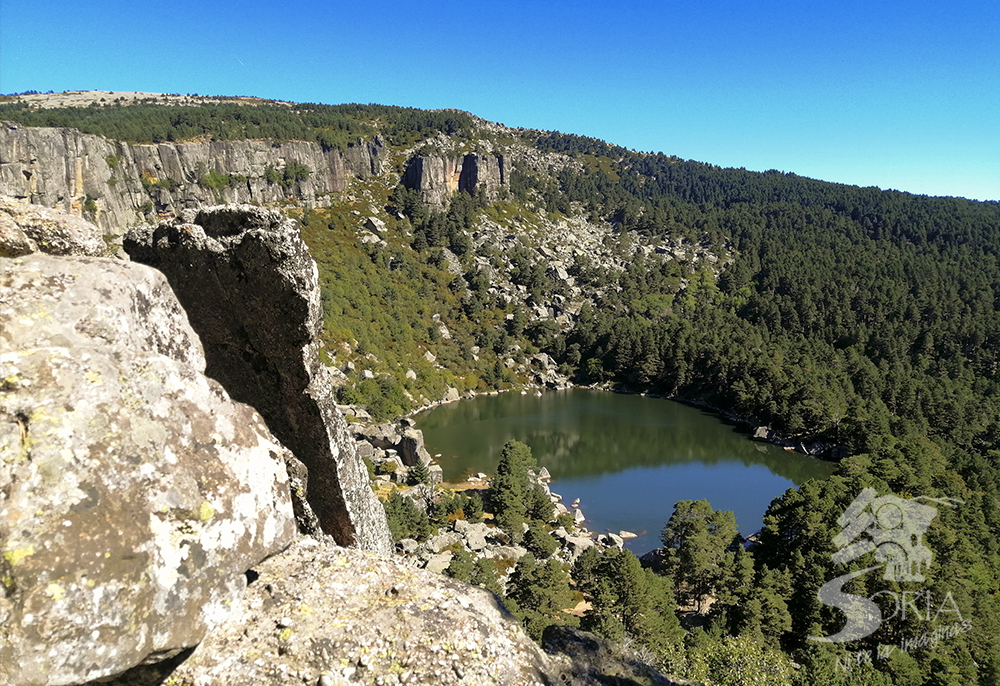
column 134, row 493
column 322, row 614
column 251, row 291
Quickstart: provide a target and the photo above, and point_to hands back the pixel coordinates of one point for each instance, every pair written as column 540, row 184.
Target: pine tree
column 537, row 594
column 461, row 566
column 419, row 474
column 697, row 538
column 509, row 489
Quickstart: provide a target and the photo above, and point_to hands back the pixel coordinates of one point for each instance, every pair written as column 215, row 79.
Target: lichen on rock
column 134, row 492
column 317, row 611
column 27, row 228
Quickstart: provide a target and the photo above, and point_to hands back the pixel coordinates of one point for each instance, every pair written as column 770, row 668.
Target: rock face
column 117, row 185
column 251, row 291
column 437, row 178
column 134, row 493
column 321, row 614
column 27, row 228
column 318, row 614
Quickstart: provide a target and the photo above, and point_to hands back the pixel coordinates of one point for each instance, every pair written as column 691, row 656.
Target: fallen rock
column 475, row 537
column 438, row 543
column 134, row 493
column 439, row 562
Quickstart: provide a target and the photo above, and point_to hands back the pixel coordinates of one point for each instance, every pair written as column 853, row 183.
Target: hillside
column 458, row 255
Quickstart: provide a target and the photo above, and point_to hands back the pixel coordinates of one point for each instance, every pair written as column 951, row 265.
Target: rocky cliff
column 251, row 290
column 117, row 184
column 137, row 500
column 437, row 178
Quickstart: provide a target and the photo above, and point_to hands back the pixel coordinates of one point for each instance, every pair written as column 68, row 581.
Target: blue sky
column 902, row 94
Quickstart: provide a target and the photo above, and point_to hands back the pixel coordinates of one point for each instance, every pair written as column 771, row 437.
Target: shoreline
column 806, row 445
column 746, row 430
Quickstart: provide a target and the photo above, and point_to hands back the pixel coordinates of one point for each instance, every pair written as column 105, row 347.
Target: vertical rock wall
column 251, row 291
column 117, row 185
column 437, row 178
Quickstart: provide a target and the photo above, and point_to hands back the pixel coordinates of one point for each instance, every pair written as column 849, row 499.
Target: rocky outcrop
column 403, row 438
column 321, row 614
column 117, row 185
column 27, row 228
column 597, row 660
column 251, row 291
column 318, row 614
column 438, row 178
column 134, row 493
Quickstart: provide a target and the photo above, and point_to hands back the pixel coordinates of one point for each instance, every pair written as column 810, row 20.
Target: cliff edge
column 251, row 290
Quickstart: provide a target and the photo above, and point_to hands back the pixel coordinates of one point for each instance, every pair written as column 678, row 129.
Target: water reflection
column 628, row 458
column 588, row 433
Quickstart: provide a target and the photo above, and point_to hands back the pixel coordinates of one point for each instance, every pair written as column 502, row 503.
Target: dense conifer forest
column 864, row 318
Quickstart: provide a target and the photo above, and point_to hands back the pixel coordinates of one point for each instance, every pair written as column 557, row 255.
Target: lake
column 628, row 458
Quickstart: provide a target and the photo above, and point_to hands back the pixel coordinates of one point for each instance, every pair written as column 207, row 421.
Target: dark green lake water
column 628, row 458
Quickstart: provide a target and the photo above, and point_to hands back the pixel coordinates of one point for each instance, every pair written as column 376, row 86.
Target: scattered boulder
column 657, row 560
column 596, row 660
column 475, row 537
column 438, row 543
column 251, row 290
column 439, row 562
column 411, row 447
column 134, row 493
column 575, row 545
column 375, row 224
column 27, row 228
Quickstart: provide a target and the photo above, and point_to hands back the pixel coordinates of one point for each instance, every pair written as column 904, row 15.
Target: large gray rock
column 407, row 441
column 251, row 291
column 134, row 493
column 343, row 616
column 27, row 228
column 411, row 447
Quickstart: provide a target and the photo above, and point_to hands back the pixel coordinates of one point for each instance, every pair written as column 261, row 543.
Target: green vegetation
column 866, row 319
column 405, row 520
column 538, row 594
column 292, row 173
column 150, row 182
column 332, row 126
column 514, row 497
column 218, row 181
column 419, row 474
column 381, row 303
